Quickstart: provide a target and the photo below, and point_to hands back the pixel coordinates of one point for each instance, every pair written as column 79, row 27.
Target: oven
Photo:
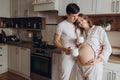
column 41, row 64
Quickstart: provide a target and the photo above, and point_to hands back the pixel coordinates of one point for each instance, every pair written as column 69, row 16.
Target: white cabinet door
column 4, row 8
column 21, row 8
column 55, row 66
column 111, row 71
column 3, row 59
column 107, row 6
column 86, row 6
column 13, row 58
column 117, row 6
column 62, row 6
column 14, row 8
column 118, row 76
column 19, row 60
column 104, row 6
column 107, row 74
column 24, row 61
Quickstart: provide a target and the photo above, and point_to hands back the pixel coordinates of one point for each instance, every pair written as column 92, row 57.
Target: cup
column 74, row 52
column 80, row 39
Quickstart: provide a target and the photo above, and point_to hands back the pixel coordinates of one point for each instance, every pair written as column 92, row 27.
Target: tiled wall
column 114, row 38
column 115, row 18
column 114, row 34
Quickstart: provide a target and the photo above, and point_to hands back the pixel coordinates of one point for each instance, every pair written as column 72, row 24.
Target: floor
column 11, row 76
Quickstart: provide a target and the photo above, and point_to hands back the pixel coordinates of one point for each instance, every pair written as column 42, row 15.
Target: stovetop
column 43, row 50
column 45, row 47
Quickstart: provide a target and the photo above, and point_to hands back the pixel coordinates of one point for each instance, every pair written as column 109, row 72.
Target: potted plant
column 106, row 24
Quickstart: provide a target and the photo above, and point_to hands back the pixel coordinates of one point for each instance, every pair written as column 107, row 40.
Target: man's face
column 72, row 17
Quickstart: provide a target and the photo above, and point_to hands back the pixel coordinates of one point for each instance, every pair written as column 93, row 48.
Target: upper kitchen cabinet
column 4, row 8
column 62, row 6
column 21, row 8
column 108, row 6
column 45, row 5
column 86, row 6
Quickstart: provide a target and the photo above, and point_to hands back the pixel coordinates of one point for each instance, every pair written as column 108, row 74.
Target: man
column 64, row 39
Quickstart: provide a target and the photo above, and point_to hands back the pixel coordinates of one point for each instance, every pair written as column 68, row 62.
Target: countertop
column 21, row 44
column 113, row 58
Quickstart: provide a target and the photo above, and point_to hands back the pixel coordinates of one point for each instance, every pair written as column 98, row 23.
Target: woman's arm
column 107, row 50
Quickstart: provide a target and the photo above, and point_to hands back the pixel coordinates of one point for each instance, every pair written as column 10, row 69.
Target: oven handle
column 39, row 56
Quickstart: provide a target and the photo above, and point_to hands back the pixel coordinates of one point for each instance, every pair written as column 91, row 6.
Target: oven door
column 41, row 65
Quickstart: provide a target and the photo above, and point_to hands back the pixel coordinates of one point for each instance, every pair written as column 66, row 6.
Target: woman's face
column 82, row 22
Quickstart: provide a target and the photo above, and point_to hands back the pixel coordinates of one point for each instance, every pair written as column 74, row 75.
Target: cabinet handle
column 117, row 6
column 0, row 54
column 109, row 76
column 113, row 6
column 54, row 58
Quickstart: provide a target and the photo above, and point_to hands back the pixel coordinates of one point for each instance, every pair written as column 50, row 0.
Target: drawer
column 112, row 66
column 3, row 47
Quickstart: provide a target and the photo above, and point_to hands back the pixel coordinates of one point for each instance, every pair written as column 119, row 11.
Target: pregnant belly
column 86, row 53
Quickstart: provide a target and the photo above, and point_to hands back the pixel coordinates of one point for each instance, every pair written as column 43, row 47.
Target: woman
column 91, row 62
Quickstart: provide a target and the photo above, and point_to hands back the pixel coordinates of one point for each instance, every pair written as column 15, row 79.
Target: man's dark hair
column 72, row 8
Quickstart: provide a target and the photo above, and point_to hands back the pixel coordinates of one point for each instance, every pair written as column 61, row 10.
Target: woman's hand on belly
column 94, row 61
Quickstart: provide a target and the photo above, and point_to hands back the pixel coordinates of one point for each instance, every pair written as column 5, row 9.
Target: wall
column 115, row 26
column 114, row 38
column 52, row 20
column 4, row 8
column 51, row 24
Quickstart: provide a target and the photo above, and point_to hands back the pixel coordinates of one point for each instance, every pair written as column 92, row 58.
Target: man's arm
column 58, row 44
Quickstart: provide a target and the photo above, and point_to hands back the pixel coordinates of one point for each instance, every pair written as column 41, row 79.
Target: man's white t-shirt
column 67, row 32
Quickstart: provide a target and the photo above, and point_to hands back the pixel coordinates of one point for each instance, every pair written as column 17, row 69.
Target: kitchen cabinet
column 45, row 5
column 104, row 7
column 108, row 6
column 97, row 6
column 62, row 6
column 111, row 71
column 13, row 58
column 3, row 59
column 89, row 9
column 14, row 8
column 21, row 8
column 55, row 66
column 19, row 60
column 94, row 6
column 24, row 61
column 86, row 6
column 4, row 8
